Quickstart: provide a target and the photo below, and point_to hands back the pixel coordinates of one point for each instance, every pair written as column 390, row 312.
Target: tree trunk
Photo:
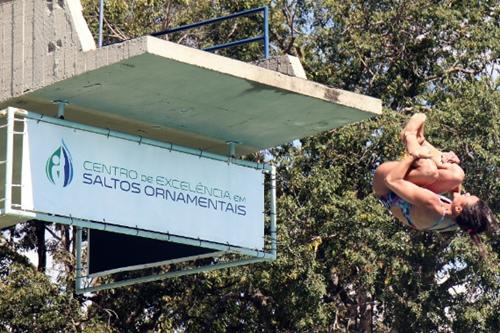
column 366, row 313
column 68, row 262
column 40, row 244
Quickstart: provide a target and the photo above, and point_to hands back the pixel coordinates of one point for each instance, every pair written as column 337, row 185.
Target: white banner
column 84, row 175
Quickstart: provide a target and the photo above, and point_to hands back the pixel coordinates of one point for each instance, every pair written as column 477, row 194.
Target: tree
column 344, row 264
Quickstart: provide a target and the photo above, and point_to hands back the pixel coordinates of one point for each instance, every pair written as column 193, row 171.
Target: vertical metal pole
column 232, row 148
column 60, row 108
column 273, row 212
column 9, row 158
column 78, row 244
column 101, row 20
column 266, row 32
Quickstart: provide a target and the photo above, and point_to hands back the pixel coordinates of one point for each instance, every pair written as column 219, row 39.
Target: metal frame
column 264, row 37
column 84, row 283
column 101, row 22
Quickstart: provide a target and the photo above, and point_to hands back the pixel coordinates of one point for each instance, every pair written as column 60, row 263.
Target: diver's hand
column 450, row 157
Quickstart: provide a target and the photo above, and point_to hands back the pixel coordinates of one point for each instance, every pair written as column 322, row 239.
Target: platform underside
column 197, row 99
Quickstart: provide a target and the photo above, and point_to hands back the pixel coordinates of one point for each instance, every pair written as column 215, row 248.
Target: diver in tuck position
column 410, row 188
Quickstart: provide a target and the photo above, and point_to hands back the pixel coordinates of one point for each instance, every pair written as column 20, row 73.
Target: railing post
column 274, row 213
column 78, row 252
column 266, row 32
column 101, row 19
column 9, row 158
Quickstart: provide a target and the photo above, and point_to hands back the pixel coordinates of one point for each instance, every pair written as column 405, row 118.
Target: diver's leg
column 423, row 172
column 378, row 184
column 415, row 126
column 450, row 179
column 446, row 178
column 413, row 136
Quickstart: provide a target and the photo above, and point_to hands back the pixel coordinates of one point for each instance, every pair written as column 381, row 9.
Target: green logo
column 59, row 167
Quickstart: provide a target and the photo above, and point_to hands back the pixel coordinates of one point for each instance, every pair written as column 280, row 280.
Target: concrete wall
column 37, row 44
column 285, row 64
column 44, row 41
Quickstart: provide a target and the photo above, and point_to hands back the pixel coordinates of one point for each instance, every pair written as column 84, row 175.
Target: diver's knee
column 427, row 168
column 432, row 174
column 457, row 173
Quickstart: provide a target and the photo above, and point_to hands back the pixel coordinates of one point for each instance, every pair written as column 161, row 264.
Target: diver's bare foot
column 414, row 148
column 414, row 126
column 422, row 152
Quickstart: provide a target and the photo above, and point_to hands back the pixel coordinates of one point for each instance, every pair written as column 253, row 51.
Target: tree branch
column 52, row 233
column 450, row 71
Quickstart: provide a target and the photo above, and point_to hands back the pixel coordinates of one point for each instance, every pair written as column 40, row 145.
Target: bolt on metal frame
column 84, row 282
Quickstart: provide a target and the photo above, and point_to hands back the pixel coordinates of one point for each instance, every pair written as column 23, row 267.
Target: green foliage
column 30, row 303
column 344, row 264
column 398, row 50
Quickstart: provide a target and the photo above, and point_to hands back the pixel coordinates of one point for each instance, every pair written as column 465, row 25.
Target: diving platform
column 161, row 90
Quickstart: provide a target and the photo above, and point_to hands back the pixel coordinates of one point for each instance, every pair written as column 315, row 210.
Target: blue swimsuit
column 391, row 199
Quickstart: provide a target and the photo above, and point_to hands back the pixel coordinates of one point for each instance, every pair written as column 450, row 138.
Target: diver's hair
column 475, row 219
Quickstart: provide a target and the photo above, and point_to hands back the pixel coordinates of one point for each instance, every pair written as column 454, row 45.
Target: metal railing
column 263, row 37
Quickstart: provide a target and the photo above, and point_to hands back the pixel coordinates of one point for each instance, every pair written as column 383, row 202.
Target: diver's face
column 462, row 200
